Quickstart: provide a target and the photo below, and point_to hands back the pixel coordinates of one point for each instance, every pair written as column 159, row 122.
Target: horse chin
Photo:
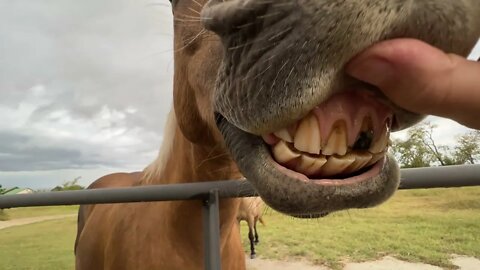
column 297, row 195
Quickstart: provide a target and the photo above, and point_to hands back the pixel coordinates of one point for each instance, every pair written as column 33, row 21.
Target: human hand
column 422, row 79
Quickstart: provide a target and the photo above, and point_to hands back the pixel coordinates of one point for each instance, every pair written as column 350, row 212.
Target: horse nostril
column 364, row 140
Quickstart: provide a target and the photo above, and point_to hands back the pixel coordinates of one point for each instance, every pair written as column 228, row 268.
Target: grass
column 420, row 226
column 3, row 215
column 25, row 212
column 40, row 246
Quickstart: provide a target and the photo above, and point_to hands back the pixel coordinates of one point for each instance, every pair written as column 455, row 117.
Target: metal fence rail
column 433, row 177
column 210, row 192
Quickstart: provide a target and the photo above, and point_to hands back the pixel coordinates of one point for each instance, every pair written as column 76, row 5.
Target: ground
column 386, row 263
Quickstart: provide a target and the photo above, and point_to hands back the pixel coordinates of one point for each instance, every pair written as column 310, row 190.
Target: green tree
column 440, row 152
column 467, row 149
column 411, row 153
column 69, row 185
column 420, row 149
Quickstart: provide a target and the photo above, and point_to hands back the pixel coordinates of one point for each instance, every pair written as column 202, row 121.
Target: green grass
column 420, row 226
column 40, row 246
column 25, row 212
column 3, row 215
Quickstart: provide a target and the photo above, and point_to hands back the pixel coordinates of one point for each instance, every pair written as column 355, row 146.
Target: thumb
column 422, row 79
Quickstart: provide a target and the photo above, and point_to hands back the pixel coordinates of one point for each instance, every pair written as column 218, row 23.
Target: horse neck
column 181, row 161
column 189, row 162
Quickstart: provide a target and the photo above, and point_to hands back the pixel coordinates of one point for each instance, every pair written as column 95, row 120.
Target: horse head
column 265, row 80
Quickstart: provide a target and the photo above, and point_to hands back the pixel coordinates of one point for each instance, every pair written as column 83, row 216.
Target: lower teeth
column 321, row 165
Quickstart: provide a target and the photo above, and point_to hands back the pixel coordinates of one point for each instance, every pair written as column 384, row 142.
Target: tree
column 420, row 149
column 69, row 185
column 2, row 189
column 467, row 149
column 440, row 152
column 411, row 153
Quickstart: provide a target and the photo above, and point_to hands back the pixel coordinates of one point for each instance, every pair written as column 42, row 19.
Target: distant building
column 17, row 190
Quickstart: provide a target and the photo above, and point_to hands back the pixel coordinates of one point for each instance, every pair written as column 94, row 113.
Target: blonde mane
column 155, row 169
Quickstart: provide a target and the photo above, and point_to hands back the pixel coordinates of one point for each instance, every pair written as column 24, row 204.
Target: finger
column 421, row 78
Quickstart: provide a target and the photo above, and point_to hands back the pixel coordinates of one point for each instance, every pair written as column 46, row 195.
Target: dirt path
column 386, row 263
column 25, row 221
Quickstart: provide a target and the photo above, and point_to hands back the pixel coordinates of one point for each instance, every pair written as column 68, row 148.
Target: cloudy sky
column 85, row 87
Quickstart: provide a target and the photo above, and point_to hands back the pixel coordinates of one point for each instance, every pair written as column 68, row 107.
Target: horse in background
column 251, row 210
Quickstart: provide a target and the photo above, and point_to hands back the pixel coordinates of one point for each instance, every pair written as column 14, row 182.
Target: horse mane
column 154, row 171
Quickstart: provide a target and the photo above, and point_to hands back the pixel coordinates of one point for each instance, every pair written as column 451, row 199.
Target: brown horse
column 259, row 87
column 251, row 210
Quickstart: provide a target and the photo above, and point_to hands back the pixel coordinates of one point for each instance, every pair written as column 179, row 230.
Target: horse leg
column 255, row 229
column 251, row 238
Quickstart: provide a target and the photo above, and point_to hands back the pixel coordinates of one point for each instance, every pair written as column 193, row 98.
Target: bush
column 69, row 185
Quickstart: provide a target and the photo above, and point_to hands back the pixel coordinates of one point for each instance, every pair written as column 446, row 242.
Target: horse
column 260, row 91
column 251, row 210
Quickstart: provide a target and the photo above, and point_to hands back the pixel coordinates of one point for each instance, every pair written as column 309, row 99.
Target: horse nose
column 225, row 17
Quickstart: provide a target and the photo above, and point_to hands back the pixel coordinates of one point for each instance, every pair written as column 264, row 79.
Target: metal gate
column 211, row 192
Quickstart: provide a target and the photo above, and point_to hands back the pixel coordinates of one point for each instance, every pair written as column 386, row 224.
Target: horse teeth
column 283, row 153
column 302, row 149
column 375, row 158
column 307, row 137
column 381, row 143
column 284, row 135
column 336, row 165
column 361, row 160
column 337, row 142
column 309, row 165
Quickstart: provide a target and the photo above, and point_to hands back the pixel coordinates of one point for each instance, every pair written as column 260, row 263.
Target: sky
column 85, row 87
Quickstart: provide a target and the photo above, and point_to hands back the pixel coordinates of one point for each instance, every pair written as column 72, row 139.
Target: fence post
column 211, row 231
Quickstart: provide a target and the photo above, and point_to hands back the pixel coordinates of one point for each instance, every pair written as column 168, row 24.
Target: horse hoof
column 252, row 256
column 256, row 242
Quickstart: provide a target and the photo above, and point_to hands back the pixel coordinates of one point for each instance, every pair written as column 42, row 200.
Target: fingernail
column 374, row 70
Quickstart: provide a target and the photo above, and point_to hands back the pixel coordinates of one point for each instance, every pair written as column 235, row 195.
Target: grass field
column 3, row 215
column 421, row 225
column 40, row 246
column 40, row 211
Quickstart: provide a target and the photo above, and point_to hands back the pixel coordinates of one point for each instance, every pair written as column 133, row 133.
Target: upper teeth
column 304, row 150
column 381, row 142
column 284, row 135
column 307, row 137
column 337, row 142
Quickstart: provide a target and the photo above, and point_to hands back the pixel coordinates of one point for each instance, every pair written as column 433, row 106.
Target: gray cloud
column 83, row 84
